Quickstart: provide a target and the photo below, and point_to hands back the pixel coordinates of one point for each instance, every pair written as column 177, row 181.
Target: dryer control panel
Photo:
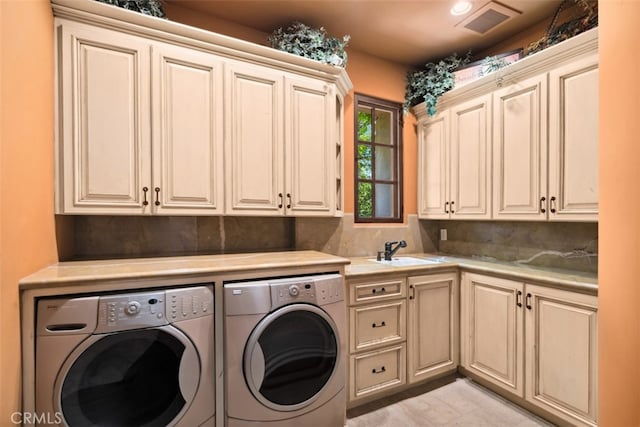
column 320, row 290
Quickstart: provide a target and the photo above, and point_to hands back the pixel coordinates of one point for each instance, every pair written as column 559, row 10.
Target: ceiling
column 402, row 31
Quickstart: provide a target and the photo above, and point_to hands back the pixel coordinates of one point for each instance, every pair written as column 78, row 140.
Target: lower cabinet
column 538, row 343
column 402, row 329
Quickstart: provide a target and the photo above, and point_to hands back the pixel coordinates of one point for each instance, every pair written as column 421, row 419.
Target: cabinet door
column 253, row 143
column 573, row 141
column 433, row 167
column 520, row 150
column 432, row 342
column 103, row 136
column 562, row 353
column 492, row 330
column 470, row 194
column 187, row 137
column 309, row 147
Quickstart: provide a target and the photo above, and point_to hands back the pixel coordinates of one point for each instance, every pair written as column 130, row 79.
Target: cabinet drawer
column 377, row 371
column 363, row 292
column 375, row 325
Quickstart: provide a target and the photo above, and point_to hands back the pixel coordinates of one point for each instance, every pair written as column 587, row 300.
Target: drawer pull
column 379, row 371
column 382, row 290
column 373, row 325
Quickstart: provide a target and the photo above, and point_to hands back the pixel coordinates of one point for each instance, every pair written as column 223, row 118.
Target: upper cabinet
column 518, row 144
column 154, row 117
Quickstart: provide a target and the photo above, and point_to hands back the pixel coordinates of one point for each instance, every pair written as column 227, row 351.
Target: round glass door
column 125, row 379
column 290, row 356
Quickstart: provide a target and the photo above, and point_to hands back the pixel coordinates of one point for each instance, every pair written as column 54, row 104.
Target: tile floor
column 449, row 402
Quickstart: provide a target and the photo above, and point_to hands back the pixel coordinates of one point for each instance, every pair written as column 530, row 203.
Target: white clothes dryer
column 127, row 359
column 285, row 352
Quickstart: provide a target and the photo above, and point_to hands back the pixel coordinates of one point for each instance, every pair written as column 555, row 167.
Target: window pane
column 383, row 127
column 365, row 205
column 384, row 201
column 364, row 124
column 384, row 163
column 364, row 161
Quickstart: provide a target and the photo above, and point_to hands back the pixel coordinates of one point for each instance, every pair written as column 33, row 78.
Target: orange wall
column 619, row 227
column 370, row 76
column 27, row 234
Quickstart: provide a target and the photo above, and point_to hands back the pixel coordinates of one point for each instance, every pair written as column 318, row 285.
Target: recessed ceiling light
column 460, row 8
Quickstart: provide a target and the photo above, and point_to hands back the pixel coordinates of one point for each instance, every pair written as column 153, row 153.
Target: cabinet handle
column 157, row 190
column 380, row 325
column 528, row 302
column 379, row 371
column 446, row 207
column 519, row 299
column 288, row 200
column 452, row 211
column 145, row 202
column 553, row 205
column 412, row 292
column 281, row 201
column 542, row 203
column 382, row 290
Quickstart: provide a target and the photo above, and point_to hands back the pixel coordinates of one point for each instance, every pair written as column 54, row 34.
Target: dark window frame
column 397, row 147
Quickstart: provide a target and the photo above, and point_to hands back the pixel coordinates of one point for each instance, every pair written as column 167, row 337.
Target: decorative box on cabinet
column 535, row 342
column 140, row 130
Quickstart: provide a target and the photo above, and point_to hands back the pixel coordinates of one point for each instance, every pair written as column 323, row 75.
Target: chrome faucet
column 389, row 250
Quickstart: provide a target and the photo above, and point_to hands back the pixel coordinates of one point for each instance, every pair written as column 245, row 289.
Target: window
column 378, row 160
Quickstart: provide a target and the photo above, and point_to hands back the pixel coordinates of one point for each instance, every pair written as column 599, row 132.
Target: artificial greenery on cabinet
column 146, row 7
column 428, row 84
column 313, row 43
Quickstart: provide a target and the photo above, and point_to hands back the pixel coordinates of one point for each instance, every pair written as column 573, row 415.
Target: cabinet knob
column 378, row 371
column 446, row 207
column 288, row 200
column 280, row 201
column 528, row 302
column 519, row 299
column 378, row 325
column 542, row 204
column 553, row 205
column 145, row 202
column 452, row 211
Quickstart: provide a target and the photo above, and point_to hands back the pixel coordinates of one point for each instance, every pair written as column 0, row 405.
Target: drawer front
column 377, row 371
column 377, row 325
column 368, row 292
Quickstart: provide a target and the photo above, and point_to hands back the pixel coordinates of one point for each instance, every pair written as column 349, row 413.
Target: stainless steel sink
column 406, row 261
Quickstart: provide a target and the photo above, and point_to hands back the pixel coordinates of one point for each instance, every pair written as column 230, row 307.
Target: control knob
column 294, row 290
column 133, row 308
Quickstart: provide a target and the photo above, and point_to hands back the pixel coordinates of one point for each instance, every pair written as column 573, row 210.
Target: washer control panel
column 148, row 309
column 319, row 290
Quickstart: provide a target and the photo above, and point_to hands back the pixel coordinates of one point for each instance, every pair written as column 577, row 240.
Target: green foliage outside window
column 364, row 205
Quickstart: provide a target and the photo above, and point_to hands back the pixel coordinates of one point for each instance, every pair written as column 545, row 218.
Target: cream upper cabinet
column 432, row 342
column 491, row 330
column 187, row 131
column 254, row 141
column 470, row 159
column 454, row 162
column 275, row 169
column 103, row 131
column 562, row 353
column 573, row 141
column 433, row 167
column 520, row 150
column 155, row 117
column 310, row 150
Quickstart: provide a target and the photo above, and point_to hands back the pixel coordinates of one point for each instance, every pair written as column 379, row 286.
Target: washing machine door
column 145, row 377
column 291, row 356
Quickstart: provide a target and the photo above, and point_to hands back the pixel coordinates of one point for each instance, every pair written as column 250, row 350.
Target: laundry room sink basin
column 406, row 261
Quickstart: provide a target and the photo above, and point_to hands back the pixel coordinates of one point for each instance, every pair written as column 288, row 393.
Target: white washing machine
column 127, row 359
column 285, row 352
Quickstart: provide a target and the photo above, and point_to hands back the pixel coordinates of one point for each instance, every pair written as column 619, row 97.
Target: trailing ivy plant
column 311, row 43
column 146, row 7
column 429, row 84
column 492, row 63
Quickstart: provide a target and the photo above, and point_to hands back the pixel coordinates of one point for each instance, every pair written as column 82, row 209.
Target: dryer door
column 134, row 378
column 291, row 356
